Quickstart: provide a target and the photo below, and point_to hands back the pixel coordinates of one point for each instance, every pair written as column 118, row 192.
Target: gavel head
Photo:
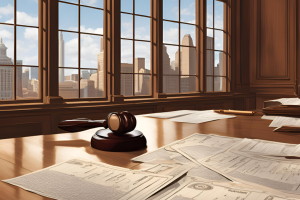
column 121, row 123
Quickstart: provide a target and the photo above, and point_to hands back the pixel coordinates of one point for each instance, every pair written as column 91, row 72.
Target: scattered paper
column 201, row 117
column 285, row 121
column 269, row 117
column 82, row 179
column 170, row 114
column 198, row 190
column 268, row 174
column 288, row 101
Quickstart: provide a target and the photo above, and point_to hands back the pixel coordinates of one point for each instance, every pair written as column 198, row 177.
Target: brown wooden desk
column 24, row 155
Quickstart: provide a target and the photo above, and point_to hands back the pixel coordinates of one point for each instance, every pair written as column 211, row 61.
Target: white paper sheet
column 201, row 117
column 79, row 179
column 285, row 121
column 198, row 190
column 269, row 117
column 170, row 114
column 270, row 174
column 288, row 101
column 210, row 145
column 264, row 147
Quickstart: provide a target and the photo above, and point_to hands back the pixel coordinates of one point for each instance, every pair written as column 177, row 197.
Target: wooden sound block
column 106, row 140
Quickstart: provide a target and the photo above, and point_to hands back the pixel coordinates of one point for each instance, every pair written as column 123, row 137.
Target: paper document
column 285, row 121
column 269, row 174
column 79, row 179
column 263, row 147
column 198, row 190
column 288, row 101
column 201, row 117
column 167, row 153
column 208, row 146
column 269, row 117
column 170, row 114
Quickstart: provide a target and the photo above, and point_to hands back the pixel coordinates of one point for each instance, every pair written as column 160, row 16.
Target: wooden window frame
column 48, row 55
column 227, row 32
column 14, row 99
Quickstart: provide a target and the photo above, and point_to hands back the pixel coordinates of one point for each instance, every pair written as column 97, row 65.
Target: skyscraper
column 7, row 75
column 61, row 58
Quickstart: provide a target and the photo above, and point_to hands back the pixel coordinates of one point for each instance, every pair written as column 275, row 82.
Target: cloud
column 170, row 36
column 89, row 2
column 6, row 34
column 90, row 47
column 9, row 9
column 71, row 53
column 90, row 30
column 24, row 18
column 31, row 34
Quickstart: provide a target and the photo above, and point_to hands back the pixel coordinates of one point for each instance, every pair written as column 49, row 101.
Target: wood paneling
column 273, row 39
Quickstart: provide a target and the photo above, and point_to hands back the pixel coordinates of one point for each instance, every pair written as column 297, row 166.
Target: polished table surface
column 19, row 156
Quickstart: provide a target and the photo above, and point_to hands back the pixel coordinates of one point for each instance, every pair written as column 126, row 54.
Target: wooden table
column 20, row 156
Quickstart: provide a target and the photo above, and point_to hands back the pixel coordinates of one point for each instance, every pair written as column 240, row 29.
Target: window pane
column 126, row 56
column 188, row 61
column 92, row 56
column 72, row 1
column 219, row 14
column 68, row 49
column 7, row 11
column 220, row 64
column 27, row 12
column 126, row 84
column 142, row 28
column 91, row 20
column 210, row 39
column 126, row 26
column 127, row 6
column 68, row 20
column 142, row 57
column 209, row 84
column 209, row 62
column 92, row 83
column 170, row 32
column 170, row 10
column 142, row 84
column 187, row 84
column 27, row 46
column 187, row 11
column 142, row 7
column 220, row 40
column 210, row 13
column 7, row 83
column 188, row 36
column 27, row 83
column 170, row 60
column 69, row 87
column 7, row 41
column 94, row 3
column 171, row 84
column 220, row 84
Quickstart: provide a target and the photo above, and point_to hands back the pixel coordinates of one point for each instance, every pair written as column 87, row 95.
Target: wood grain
column 20, row 156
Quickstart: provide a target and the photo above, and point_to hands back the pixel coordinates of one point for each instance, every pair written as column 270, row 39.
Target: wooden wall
column 20, row 121
column 268, row 44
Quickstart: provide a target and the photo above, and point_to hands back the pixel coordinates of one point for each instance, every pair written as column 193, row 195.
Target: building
column 7, row 75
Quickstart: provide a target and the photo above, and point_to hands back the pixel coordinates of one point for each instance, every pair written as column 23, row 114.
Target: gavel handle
column 76, row 125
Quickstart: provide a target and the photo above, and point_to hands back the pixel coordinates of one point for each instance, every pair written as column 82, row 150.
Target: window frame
column 39, row 26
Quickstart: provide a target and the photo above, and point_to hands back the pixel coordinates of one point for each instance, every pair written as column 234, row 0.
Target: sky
column 92, row 22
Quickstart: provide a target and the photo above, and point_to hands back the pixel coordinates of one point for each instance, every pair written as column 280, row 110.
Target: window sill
column 73, row 104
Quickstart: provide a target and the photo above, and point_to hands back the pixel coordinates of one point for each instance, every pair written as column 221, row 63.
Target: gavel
column 118, row 123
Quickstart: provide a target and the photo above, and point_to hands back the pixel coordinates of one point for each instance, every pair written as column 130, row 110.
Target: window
column 19, row 61
column 179, row 46
column 81, row 52
column 136, row 57
column 217, row 51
